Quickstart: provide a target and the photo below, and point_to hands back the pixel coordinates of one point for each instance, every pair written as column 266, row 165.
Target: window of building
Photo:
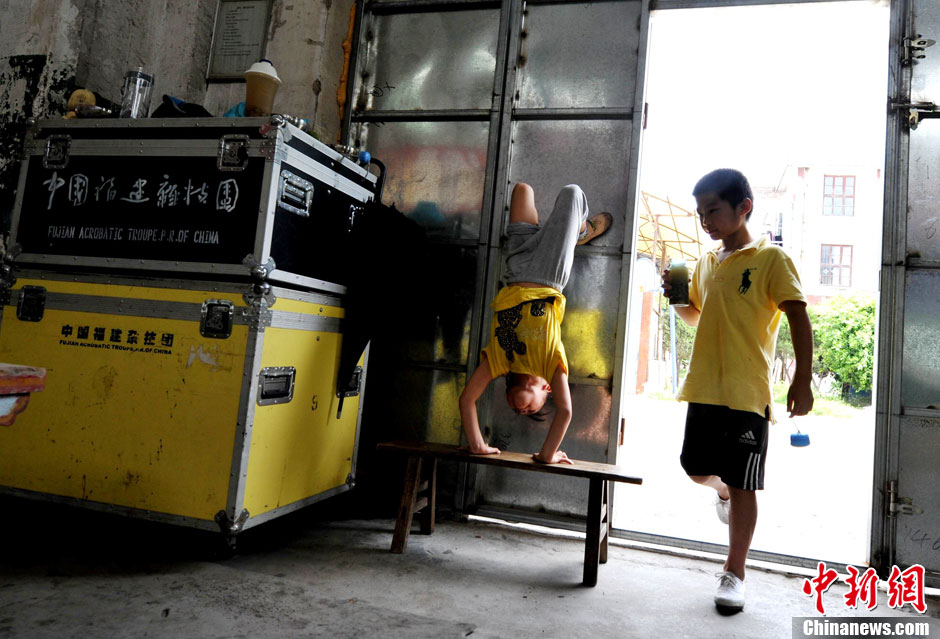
column 839, row 195
column 835, row 265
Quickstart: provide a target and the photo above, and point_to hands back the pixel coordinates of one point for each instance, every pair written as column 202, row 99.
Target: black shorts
column 729, row 443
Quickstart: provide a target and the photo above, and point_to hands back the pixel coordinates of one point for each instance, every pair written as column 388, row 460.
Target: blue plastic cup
column 799, row 439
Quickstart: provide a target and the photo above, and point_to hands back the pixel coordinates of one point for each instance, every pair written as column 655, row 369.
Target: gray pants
column 543, row 253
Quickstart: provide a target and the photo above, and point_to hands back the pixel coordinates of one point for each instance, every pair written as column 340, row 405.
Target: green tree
column 844, row 336
column 685, row 337
column 784, row 350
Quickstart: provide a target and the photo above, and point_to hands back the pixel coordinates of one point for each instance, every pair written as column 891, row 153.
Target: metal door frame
column 889, row 358
column 891, row 311
column 895, row 265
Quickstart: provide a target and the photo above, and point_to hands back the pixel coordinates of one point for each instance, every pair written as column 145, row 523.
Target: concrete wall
column 39, row 44
column 169, row 38
column 305, row 45
column 50, row 47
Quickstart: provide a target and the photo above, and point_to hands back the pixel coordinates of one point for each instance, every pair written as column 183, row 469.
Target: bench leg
column 406, row 509
column 429, row 485
column 595, row 545
column 419, row 495
column 605, row 522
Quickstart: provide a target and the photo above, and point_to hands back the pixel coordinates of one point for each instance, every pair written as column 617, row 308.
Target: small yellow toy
column 79, row 97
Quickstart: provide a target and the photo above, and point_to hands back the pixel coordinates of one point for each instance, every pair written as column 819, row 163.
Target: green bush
column 844, row 340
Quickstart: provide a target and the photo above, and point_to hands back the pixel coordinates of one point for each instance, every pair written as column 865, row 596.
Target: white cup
column 261, row 83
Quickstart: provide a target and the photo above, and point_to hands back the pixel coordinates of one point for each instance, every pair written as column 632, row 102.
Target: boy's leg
column 522, row 205
column 742, row 521
column 713, row 481
column 733, row 442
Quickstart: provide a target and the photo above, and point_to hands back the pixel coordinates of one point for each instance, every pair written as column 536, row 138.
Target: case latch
column 354, row 212
column 233, row 152
column 276, row 385
column 217, row 319
column 351, row 389
column 295, row 194
column 32, row 304
column 353, row 386
column 57, row 152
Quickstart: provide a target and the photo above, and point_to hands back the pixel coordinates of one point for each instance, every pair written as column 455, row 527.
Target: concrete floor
column 67, row 572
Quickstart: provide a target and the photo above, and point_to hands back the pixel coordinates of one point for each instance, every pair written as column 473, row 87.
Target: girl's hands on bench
column 560, row 457
column 481, row 449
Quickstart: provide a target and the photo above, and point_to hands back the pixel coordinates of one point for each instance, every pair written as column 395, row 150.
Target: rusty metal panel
column 923, row 222
column 440, row 333
column 419, row 403
column 432, row 60
column 437, row 172
column 920, row 373
column 574, row 55
column 594, row 154
column 590, row 327
column 926, row 14
column 918, row 529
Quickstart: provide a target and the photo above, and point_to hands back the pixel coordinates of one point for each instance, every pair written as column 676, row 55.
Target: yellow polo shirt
column 739, row 299
column 525, row 336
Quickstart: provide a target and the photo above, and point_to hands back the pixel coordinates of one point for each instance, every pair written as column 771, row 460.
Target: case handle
column 295, row 194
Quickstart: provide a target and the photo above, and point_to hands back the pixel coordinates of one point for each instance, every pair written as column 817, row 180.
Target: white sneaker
column 723, row 508
column 730, row 596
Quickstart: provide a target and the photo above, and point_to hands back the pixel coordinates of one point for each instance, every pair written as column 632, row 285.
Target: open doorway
column 796, row 102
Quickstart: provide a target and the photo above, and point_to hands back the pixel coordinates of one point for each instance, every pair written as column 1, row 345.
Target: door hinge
column 914, row 49
column 900, row 505
column 917, row 111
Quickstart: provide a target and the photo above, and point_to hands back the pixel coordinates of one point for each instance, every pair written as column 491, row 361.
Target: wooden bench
column 421, row 487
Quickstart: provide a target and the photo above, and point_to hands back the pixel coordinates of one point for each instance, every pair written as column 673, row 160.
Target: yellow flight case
column 206, row 404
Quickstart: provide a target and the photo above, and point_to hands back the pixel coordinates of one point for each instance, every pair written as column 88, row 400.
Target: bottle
column 679, row 280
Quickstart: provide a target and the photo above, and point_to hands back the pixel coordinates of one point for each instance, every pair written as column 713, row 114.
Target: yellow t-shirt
column 733, row 354
column 526, row 333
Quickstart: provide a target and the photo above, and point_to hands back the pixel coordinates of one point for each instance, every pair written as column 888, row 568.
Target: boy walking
column 736, row 294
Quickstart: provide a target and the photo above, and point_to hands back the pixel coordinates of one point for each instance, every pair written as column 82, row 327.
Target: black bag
column 387, row 265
